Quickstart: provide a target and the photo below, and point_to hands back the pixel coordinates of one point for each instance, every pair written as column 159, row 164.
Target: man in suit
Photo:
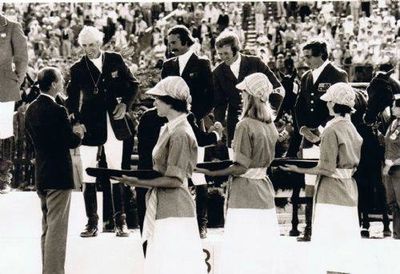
column 101, row 89
column 196, row 72
column 310, row 111
column 13, row 51
column 50, row 131
column 234, row 68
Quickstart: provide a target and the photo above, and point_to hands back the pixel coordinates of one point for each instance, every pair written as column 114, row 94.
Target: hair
column 92, row 33
column 183, row 33
column 46, row 77
column 228, row 38
column 341, row 109
column 318, row 48
column 254, row 108
column 176, row 104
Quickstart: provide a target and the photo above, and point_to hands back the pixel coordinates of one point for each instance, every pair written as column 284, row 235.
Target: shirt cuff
column 218, row 136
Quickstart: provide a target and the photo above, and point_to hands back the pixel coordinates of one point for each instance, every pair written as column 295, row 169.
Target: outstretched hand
column 290, row 168
column 119, row 111
column 131, row 181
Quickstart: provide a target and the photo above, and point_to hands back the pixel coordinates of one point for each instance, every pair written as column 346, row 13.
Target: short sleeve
column 329, row 151
column 180, row 156
column 242, row 146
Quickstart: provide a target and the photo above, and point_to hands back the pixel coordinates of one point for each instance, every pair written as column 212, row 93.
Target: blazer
column 90, row 106
column 49, row 130
column 227, row 96
column 310, row 110
column 149, row 129
column 13, row 49
column 197, row 75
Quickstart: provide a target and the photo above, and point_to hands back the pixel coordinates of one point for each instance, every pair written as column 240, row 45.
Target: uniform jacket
column 310, row 111
column 13, row 49
column 197, row 75
column 89, row 108
column 50, row 131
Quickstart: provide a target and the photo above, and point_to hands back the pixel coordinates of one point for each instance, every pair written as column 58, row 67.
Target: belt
column 343, row 173
column 255, row 173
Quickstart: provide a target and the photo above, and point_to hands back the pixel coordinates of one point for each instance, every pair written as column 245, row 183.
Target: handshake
column 218, row 128
column 79, row 129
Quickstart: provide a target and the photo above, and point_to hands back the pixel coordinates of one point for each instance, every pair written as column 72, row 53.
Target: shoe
column 108, row 227
column 90, row 231
column 122, row 231
column 387, row 233
column 306, row 236
column 203, row 232
column 4, row 188
column 365, row 233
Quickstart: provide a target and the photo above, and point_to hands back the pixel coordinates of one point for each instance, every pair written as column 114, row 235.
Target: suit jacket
column 311, row 111
column 227, row 96
column 197, row 75
column 13, row 49
column 49, row 130
column 149, row 129
column 115, row 81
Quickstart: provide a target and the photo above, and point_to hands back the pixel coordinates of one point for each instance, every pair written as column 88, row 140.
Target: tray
column 107, row 172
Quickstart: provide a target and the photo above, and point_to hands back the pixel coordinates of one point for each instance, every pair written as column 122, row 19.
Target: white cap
column 257, row 85
column 340, row 93
column 173, row 86
column 90, row 35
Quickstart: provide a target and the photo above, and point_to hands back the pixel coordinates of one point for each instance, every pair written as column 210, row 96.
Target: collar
column 171, row 125
column 317, row 72
column 235, row 66
column 337, row 119
column 183, row 59
column 51, row 97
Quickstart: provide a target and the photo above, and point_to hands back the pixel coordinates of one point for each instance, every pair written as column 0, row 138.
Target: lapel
column 243, row 68
column 174, row 67
column 92, row 69
column 227, row 72
column 323, row 75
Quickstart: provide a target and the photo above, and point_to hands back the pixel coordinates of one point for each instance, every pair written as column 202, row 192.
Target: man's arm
column 208, row 88
column 71, row 139
column 74, row 95
column 20, row 51
column 132, row 85
column 220, row 101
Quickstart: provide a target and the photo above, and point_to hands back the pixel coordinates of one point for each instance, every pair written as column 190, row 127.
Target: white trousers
column 6, row 119
column 112, row 149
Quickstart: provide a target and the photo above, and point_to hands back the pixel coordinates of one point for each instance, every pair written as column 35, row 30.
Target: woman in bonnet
column 170, row 225
column 251, row 228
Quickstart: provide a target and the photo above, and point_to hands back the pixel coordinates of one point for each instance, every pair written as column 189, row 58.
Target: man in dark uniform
column 101, row 90
column 310, row 111
column 196, row 72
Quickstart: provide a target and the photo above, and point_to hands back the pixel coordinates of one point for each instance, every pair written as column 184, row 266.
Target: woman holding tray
column 336, row 228
column 170, row 225
column 251, row 226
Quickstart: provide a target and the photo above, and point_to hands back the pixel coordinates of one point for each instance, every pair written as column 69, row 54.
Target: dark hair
column 228, row 39
column 176, row 104
column 385, row 67
column 318, row 48
column 341, row 109
column 183, row 33
column 46, row 77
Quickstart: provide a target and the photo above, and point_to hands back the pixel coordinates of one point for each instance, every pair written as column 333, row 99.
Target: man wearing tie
column 196, row 72
column 310, row 111
column 49, row 130
column 101, row 89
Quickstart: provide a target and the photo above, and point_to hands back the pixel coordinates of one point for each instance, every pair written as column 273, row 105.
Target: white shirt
column 317, row 72
column 235, row 67
column 98, row 62
column 183, row 59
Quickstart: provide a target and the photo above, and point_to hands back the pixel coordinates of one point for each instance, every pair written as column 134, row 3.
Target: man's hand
column 218, row 128
column 119, row 111
column 309, row 135
column 79, row 129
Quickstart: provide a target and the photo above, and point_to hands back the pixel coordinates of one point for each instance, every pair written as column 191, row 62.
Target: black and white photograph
column 221, row 137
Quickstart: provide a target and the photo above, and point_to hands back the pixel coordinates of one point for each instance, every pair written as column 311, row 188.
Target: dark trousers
column 201, row 205
column 141, row 210
column 392, row 186
column 55, row 206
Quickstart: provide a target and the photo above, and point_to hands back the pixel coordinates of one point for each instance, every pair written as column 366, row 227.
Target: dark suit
column 90, row 106
column 309, row 109
column 50, row 132
column 197, row 75
column 227, row 96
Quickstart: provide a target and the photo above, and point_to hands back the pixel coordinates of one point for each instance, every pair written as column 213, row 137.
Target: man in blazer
column 234, row 68
column 50, row 131
column 13, row 50
column 196, row 72
column 101, row 89
column 310, row 111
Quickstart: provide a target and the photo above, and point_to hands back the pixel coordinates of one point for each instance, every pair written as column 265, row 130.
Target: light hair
column 90, row 34
column 256, row 109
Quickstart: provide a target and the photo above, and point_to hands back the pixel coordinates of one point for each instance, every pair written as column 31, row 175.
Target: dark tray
column 106, row 172
column 304, row 163
column 217, row 165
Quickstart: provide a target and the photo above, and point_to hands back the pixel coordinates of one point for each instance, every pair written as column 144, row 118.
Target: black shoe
column 387, row 233
column 203, row 232
column 122, row 231
column 365, row 233
column 306, row 236
column 108, row 227
column 90, row 231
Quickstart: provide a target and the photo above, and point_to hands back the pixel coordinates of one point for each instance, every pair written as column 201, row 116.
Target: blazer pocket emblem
column 192, row 74
column 114, row 74
column 322, row 87
column 3, row 35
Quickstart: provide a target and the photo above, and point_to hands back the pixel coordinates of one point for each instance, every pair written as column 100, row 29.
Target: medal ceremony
column 240, row 137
